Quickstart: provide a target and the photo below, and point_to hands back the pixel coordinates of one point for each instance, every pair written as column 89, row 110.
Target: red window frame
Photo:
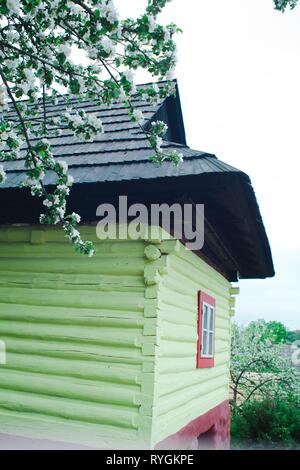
column 203, row 362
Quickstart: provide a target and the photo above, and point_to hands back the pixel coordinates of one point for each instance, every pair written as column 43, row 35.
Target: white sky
column 239, row 82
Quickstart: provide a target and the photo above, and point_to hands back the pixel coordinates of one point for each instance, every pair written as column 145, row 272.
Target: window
column 206, row 330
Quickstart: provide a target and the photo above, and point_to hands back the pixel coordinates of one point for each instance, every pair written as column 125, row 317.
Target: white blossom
column 95, row 122
column 3, row 96
column 70, row 180
column 12, row 64
column 13, row 6
column 36, row 189
column 12, row 36
column 47, row 203
column 2, row 175
column 180, row 157
column 107, row 45
column 63, row 165
column 138, row 116
column 122, row 94
column 75, row 9
column 170, row 74
column 65, row 49
column 252, row 356
column 30, row 77
column 108, row 11
column 16, row 138
column 74, row 233
column 76, row 217
column 167, row 34
column 129, row 75
column 75, row 119
column 64, row 188
column 61, row 212
column 151, row 23
column 162, row 126
column 158, row 143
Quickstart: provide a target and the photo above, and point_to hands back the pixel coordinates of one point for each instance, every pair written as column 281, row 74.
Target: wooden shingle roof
column 123, row 151
column 118, row 163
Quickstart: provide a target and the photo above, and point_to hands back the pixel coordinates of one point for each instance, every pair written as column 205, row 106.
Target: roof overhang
column 235, row 241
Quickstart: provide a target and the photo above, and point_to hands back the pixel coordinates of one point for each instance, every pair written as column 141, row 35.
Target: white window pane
column 211, row 344
column 211, row 323
column 205, row 316
column 204, row 342
column 205, row 345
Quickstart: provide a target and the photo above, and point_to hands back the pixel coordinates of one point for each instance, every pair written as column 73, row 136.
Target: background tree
column 293, row 335
column 273, row 331
column 282, row 5
column 258, row 368
column 38, row 40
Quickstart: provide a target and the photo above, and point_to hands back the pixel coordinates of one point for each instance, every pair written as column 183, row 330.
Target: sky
column 239, row 80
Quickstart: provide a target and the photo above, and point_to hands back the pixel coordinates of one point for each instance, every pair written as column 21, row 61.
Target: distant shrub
column 266, row 423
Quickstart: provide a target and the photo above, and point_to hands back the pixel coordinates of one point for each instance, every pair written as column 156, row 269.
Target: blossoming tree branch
column 37, row 39
column 282, row 5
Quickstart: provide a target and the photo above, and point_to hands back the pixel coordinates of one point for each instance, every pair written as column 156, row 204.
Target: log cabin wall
column 102, row 351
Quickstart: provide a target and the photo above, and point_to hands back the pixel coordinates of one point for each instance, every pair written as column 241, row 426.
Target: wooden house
column 130, row 348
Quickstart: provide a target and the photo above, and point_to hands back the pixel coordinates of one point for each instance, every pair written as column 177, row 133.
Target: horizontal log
column 169, row 383
column 78, row 265
column 174, row 401
column 174, row 314
column 171, row 422
column 72, row 350
column 209, row 278
column 72, row 281
column 172, row 349
column 188, row 258
column 68, row 387
column 187, row 304
column 180, row 365
column 49, row 250
column 114, row 415
column 173, row 280
column 39, row 426
column 73, row 316
column 15, row 234
column 56, row 234
column 105, row 335
column 171, row 332
column 78, row 298
column 84, row 369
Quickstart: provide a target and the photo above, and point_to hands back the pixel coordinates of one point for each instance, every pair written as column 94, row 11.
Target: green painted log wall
column 79, row 349
column 182, row 392
column 102, row 351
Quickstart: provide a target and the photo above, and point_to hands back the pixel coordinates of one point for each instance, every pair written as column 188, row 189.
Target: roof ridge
column 74, row 98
